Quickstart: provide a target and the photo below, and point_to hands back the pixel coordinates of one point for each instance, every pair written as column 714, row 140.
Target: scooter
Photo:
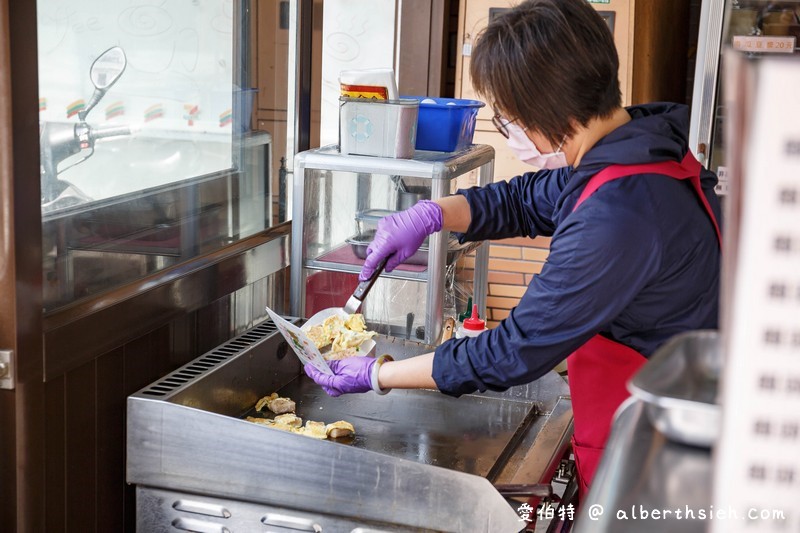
column 58, row 140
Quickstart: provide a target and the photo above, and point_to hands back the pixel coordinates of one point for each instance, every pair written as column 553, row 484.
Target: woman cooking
column 635, row 250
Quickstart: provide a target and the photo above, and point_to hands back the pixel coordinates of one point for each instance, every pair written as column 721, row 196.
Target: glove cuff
column 373, row 374
column 435, row 215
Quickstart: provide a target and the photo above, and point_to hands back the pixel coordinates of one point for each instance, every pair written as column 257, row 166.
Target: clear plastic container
column 383, row 128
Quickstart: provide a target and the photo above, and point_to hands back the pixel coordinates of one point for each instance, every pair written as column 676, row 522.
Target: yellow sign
column 373, row 92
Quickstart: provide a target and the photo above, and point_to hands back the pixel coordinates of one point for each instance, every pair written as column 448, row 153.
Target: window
column 151, row 152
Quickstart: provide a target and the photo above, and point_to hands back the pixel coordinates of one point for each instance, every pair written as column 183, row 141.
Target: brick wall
column 512, row 265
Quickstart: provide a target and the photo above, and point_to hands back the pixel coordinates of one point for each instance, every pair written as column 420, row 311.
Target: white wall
column 356, row 34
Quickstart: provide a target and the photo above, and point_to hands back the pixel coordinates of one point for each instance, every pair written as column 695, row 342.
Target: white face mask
column 519, row 142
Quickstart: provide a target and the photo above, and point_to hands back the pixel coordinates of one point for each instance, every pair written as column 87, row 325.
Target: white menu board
column 757, row 461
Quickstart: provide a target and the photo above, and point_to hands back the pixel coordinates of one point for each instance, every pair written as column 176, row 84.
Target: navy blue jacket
column 638, row 262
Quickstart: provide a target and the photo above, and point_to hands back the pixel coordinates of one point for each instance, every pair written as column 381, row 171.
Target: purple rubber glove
column 400, row 235
column 351, row 375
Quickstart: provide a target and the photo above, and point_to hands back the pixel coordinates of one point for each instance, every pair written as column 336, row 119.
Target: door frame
column 22, row 416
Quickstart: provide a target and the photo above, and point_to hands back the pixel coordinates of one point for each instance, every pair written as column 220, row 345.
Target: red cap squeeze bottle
column 471, row 326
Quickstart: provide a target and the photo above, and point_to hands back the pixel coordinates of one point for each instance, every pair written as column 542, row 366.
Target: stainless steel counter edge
column 542, row 459
column 326, row 476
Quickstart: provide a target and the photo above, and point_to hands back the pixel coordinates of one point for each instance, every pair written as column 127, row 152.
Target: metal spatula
column 353, row 303
column 363, row 288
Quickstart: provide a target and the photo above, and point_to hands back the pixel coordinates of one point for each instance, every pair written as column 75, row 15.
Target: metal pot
column 411, row 196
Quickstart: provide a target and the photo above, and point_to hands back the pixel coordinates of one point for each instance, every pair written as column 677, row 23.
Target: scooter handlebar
column 108, row 131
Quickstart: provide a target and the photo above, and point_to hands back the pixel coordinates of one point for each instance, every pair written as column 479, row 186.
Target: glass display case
column 148, row 158
column 752, row 27
column 338, row 201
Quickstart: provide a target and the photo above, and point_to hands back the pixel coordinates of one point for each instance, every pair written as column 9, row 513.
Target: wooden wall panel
column 84, row 439
column 8, row 434
column 161, row 349
column 80, row 440
column 145, row 359
column 22, row 412
column 213, row 325
column 272, row 37
column 183, row 340
column 272, row 77
column 7, row 439
column 110, row 409
column 86, row 489
column 55, row 454
column 660, row 56
column 420, row 39
column 128, row 509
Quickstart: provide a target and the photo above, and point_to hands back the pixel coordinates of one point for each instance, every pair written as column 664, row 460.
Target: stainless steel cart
column 339, row 198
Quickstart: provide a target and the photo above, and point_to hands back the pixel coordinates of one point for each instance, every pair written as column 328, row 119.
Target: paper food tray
column 304, row 348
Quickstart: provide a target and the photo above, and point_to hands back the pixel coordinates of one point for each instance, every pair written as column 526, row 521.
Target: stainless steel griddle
column 419, row 460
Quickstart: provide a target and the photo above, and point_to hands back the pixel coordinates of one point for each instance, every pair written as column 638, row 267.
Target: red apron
column 600, row 369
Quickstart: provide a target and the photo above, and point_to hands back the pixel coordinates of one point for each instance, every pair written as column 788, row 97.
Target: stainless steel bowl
column 679, row 386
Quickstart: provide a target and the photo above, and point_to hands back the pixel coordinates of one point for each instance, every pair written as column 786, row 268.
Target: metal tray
column 373, row 216
column 360, row 242
column 679, row 385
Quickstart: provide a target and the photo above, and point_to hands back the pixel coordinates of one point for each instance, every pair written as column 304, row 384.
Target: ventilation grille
column 172, row 382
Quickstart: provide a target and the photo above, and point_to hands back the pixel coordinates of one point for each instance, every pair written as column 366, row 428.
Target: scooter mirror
column 107, row 68
column 104, row 73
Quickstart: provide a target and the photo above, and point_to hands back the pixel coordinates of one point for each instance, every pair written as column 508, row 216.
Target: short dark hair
column 551, row 65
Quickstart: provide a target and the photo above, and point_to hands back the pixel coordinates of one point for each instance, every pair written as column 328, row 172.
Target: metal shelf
column 355, row 269
column 323, row 174
column 353, row 264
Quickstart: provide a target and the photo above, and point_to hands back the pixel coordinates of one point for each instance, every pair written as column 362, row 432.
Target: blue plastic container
column 445, row 124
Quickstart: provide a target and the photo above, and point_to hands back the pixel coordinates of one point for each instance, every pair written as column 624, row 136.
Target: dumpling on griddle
column 276, row 404
column 262, row 421
column 289, row 419
column 315, row 430
column 342, row 428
